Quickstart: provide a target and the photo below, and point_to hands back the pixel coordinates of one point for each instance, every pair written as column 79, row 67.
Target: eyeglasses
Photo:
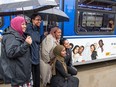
column 38, row 19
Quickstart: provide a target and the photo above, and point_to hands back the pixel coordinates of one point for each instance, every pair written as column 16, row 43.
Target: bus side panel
column 69, row 9
column 6, row 23
column 102, row 48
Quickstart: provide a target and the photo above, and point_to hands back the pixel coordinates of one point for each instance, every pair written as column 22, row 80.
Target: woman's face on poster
column 92, row 48
column 76, row 50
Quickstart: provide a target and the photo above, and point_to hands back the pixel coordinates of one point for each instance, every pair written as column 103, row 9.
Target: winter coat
column 47, row 47
column 45, row 72
column 68, row 59
column 48, row 44
column 15, row 58
column 33, row 31
column 63, row 79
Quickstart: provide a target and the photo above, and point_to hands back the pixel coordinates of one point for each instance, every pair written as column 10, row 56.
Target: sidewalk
column 4, row 85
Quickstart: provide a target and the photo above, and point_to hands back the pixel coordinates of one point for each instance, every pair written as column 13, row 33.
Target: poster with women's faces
column 94, row 48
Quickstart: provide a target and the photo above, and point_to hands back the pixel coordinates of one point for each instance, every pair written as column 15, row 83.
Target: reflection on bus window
column 1, row 21
column 91, row 22
column 111, row 24
column 91, row 19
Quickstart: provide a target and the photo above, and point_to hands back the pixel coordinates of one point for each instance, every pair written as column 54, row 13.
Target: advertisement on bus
column 87, row 49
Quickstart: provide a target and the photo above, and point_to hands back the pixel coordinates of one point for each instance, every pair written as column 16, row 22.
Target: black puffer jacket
column 15, row 58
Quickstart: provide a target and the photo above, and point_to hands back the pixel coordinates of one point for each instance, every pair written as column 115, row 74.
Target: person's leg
column 33, row 74
column 36, row 75
column 1, row 81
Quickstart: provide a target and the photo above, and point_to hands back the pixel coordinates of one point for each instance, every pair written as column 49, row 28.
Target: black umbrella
column 24, row 6
column 53, row 14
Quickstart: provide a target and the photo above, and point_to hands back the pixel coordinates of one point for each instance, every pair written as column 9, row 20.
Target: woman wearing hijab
column 47, row 47
column 68, row 58
column 15, row 58
column 61, row 77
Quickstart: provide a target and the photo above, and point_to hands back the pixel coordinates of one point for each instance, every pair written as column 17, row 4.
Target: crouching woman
column 61, row 77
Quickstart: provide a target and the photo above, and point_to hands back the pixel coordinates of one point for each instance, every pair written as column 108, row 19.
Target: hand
column 28, row 40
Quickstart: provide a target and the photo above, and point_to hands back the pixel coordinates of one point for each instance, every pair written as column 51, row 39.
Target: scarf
column 57, row 52
column 16, row 24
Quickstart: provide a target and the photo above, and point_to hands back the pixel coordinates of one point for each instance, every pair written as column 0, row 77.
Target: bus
column 91, row 28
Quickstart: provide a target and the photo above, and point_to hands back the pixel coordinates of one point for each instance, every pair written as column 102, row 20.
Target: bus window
column 93, row 19
column 91, row 22
column 1, row 22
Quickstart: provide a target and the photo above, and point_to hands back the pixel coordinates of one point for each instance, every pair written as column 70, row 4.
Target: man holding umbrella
column 33, row 30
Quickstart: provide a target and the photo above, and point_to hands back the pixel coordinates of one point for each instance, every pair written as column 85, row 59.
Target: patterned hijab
column 16, row 24
column 57, row 52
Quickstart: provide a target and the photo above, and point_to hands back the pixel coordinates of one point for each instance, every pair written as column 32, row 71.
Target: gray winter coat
column 15, row 58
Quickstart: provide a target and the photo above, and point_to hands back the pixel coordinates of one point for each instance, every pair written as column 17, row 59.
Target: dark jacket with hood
column 35, row 46
column 15, row 58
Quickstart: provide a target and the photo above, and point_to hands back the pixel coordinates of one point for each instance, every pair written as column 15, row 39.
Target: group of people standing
column 23, row 52
column 56, row 61
column 20, row 52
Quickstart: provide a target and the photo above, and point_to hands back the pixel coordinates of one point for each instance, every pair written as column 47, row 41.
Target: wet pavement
column 4, row 85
